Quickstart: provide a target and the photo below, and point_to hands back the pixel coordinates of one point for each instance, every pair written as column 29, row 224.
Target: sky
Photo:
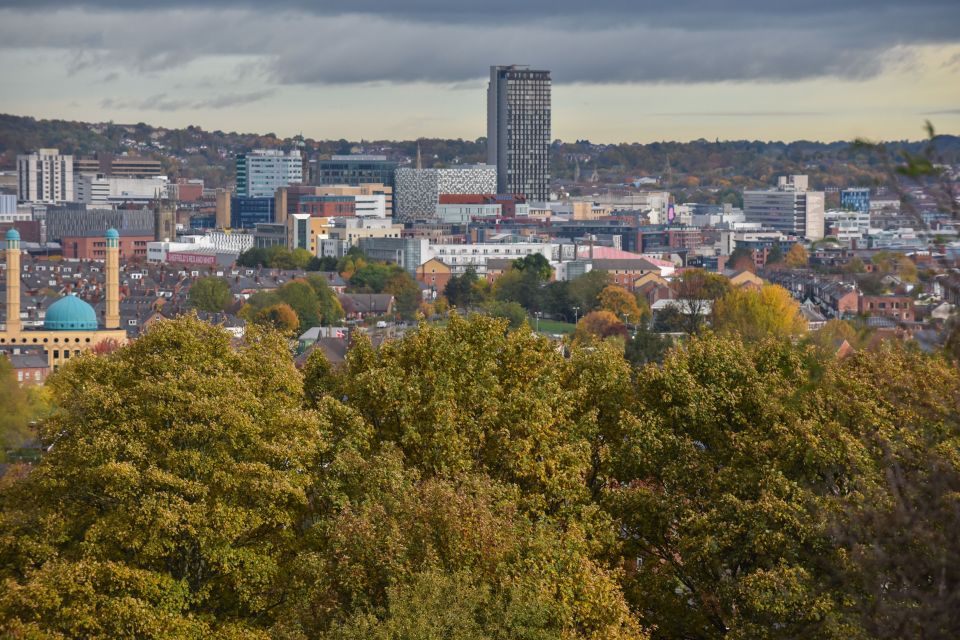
column 623, row 70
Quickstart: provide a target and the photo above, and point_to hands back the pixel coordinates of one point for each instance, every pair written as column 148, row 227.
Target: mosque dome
column 13, row 234
column 70, row 313
column 113, row 233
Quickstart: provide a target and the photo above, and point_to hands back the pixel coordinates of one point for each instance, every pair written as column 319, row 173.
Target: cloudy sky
column 623, row 70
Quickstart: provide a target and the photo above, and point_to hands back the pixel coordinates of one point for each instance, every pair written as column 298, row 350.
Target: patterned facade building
column 417, row 191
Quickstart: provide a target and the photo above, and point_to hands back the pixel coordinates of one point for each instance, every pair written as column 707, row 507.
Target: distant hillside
column 687, row 167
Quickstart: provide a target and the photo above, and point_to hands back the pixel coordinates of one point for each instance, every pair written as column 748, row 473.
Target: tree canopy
column 210, row 293
column 469, row 481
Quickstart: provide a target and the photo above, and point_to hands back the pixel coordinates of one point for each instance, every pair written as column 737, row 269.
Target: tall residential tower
column 518, row 130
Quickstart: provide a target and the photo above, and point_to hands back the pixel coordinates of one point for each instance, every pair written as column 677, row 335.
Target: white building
column 417, row 191
column 790, row 208
column 464, row 213
column 98, row 189
column 45, row 176
column 460, row 257
column 847, row 226
column 260, row 173
column 371, row 206
column 215, row 243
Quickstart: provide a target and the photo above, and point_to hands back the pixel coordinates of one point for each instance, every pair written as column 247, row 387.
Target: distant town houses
column 842, row 251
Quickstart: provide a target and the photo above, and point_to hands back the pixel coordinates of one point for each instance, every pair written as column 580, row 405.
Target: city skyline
column 622, row 72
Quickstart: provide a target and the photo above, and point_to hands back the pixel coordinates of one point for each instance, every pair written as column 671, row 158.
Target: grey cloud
column 430, row 41
column 162, row 102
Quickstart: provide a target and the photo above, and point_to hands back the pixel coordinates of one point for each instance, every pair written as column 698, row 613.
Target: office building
column 248, row 212
column 790, row 208
column 100, row 189
column 855, row 200
column 518, row 130
column 355, row 170
column 107, row 164
column 365, row 195
column 408, row 253
column 417, row 191
column 261, row 172
column 45, row 176
column 79, row 220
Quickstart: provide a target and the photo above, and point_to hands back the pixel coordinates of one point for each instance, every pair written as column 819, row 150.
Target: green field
column 552, row 326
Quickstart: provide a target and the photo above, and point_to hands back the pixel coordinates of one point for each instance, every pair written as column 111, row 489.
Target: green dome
column 113, row 233
column 70, row 313
column 13, row 234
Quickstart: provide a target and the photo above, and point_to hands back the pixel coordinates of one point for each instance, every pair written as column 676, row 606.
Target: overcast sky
column 623, row 70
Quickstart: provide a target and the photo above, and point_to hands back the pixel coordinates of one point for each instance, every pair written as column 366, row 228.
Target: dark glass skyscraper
column 355, row 170
column 518, row 130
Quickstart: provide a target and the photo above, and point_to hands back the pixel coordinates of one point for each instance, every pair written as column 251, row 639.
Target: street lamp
column 576, row 310
column 538, row 314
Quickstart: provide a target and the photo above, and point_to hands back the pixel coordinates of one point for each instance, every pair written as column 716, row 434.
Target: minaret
column 112, row 319
column 13, row 282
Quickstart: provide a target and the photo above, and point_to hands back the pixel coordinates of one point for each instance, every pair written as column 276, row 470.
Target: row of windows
column 36, row 341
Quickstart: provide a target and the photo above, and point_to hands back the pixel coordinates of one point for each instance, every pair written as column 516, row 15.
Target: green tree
column 721, row 491
column 584, row 291
column 512, row 312
column 373, row 277
column 462, row 290
column 302, row 298
column 646, row 346
column 15, row 431
column 535, row 263
column 210, row 293
column 523, row 286
column 406, row 294
column 170, row 492
column 331, row 311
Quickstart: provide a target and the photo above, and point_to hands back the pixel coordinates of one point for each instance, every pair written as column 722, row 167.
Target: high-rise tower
column 518, row 130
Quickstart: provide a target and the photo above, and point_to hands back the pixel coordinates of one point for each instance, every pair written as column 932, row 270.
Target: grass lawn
column 552, row 326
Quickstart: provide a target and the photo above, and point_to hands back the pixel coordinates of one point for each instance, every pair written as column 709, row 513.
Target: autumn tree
column 599, row 325
column 797, row 256
column 756, row 314
column 621, row 303
column 280, row 317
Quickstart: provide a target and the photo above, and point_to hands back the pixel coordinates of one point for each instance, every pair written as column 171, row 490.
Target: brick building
column 94, row 247
column 893, row 307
